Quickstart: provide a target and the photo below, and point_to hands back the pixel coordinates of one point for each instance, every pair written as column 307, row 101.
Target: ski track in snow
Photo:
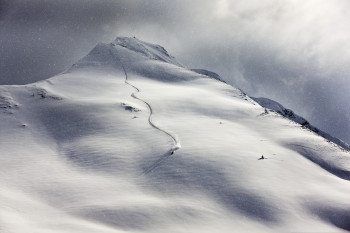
column 175, row 141
column 158, row 162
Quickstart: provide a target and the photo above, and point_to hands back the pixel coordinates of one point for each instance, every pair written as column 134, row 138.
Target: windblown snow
column 128, row 140
column 277, row 107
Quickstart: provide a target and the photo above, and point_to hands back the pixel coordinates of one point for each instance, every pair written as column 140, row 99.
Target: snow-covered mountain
column 278, row 108
column 128, row 140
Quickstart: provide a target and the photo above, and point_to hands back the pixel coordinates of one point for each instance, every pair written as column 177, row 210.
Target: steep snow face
column 149, row 50
column 209, row 74
column 277, row 107
column 126, row 142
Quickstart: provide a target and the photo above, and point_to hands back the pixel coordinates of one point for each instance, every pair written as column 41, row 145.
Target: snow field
column 78, row 154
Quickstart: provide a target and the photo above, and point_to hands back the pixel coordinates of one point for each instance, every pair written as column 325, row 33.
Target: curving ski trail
column 176, row 143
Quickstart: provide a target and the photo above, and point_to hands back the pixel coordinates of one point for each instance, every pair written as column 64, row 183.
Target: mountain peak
column 151, row 51
column 107, row 55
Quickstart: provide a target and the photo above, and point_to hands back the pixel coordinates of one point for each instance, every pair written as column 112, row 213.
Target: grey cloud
column 33, row 12
column 40, row 38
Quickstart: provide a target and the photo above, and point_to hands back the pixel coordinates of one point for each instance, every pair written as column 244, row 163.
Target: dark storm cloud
column 43, row 11
column 41, row 38
column 3, row 8
column 296, row 52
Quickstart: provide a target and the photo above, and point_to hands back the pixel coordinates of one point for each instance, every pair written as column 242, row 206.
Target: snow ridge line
column 175, row 141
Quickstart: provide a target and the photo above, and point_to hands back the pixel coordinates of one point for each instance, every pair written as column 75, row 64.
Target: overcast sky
column 296, row 52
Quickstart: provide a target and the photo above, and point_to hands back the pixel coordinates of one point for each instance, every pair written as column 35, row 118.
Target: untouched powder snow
column 277, row 107
column 97, row 149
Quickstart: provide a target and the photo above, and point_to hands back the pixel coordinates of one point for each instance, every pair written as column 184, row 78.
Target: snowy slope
column 277, row 107
column 128, row 140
